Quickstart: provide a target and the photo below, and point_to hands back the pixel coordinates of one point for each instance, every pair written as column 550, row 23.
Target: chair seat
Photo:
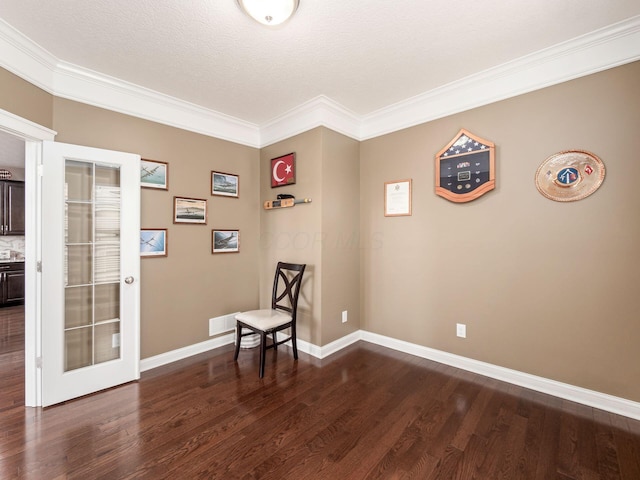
column 264, row 319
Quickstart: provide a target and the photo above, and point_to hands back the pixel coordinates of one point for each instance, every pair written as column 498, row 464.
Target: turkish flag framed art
column 283, row 170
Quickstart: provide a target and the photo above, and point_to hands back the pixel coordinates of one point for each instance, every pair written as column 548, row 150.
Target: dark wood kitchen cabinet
column 11, row 284
column 12, row 208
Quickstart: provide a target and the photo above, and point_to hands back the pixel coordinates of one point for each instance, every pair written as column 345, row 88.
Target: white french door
column 90, row 270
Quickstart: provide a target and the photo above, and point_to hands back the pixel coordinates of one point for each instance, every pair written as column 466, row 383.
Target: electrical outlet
column 461, row 330
column 344, row 316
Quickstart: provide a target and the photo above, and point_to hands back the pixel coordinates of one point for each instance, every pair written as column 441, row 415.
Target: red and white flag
column 283, row 170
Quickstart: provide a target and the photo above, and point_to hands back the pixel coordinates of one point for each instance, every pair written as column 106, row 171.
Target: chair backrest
column 286, row 287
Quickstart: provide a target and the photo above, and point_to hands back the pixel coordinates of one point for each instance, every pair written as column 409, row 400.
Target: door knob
column 128, row 280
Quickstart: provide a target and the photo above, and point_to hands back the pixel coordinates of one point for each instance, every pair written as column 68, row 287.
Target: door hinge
column 40, row 170
column 39, row 266
column 39, row 362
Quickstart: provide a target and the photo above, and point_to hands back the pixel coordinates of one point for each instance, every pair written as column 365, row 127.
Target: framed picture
column 397, row 198
column 154, row 174
column 225, row 241
column 225, row 184
column 153, row 242
column 189, row 210
column 283, row 170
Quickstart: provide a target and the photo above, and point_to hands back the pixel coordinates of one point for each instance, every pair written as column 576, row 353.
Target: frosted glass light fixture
column 269, row 12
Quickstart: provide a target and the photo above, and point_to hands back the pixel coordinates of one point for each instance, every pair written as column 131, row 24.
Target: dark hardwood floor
column 365, row 412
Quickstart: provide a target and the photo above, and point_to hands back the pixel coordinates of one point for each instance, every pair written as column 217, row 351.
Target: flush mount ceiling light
column 269, row 12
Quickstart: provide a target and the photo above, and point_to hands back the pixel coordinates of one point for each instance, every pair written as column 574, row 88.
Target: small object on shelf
column 284, row 202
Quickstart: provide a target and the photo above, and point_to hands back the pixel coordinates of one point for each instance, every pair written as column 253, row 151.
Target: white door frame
column 33, row 135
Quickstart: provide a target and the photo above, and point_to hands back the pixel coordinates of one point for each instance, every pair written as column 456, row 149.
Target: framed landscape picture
column 153, row 242
column 225, row 241
column 225, row 184
column 154, row 174
column 189, row 210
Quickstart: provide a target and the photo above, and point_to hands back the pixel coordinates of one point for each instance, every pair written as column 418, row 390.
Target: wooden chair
column 281, row 315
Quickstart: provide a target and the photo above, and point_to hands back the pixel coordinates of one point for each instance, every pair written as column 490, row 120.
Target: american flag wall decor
column 465, row 168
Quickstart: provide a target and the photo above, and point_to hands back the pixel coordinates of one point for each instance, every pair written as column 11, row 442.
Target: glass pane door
column 90, row 237
column 92, row 264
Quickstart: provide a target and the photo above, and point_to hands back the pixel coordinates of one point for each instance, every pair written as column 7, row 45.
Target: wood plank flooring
column 363, row 413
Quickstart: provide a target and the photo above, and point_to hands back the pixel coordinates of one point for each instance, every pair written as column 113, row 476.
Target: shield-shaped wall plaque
column 465, row 168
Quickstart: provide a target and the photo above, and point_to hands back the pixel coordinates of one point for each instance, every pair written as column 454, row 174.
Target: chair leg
column 263, row 342
column 238, row 339
column 275, row 343
column 294, row 344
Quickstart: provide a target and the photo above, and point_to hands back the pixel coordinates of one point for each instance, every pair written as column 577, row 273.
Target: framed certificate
column 465, row 168
column 397, row 198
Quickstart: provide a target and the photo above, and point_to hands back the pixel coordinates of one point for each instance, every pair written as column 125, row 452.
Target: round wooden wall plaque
column 570, row 175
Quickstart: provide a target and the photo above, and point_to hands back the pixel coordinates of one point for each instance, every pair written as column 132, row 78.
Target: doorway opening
column 12, row 256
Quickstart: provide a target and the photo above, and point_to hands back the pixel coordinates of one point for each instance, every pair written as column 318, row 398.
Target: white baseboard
column 185, row 352
column 603, row 401
column 333, row 347
column 581, row 395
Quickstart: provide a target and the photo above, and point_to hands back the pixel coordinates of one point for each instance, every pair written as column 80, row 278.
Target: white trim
column 606, row 48
column 32, row 284
column 317, row 112
column 86, row 86
column 25, row 58
column 33, row 135
column 23, row 128
column 602, row 49
column 331, row 348
column 603, row 401
column 185, row 352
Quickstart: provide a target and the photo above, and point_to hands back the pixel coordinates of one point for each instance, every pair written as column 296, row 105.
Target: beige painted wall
column 544, row 287
column 25, row 100
column 295, row 234
column 322, row 234
column 179, row 293
column 340, row 235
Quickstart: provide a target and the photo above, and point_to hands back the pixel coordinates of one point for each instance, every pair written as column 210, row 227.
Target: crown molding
column 26, row 59
column 320, row 111
column 602, row 49
column 86, row 86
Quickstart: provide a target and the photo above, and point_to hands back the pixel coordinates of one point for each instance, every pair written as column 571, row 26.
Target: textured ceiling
column 363, row 54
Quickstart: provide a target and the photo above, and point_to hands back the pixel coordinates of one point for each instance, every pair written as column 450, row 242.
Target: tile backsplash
column 12, row 247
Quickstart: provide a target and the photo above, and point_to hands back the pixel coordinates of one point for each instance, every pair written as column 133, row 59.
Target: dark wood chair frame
column 290, row 292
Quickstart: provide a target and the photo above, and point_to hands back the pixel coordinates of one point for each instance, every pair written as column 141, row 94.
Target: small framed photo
column 225, row 241
column 397, row 198
column 153, row 242
column 154, row 174
column 189, row 210
column 225, row 184
column 283, row 170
